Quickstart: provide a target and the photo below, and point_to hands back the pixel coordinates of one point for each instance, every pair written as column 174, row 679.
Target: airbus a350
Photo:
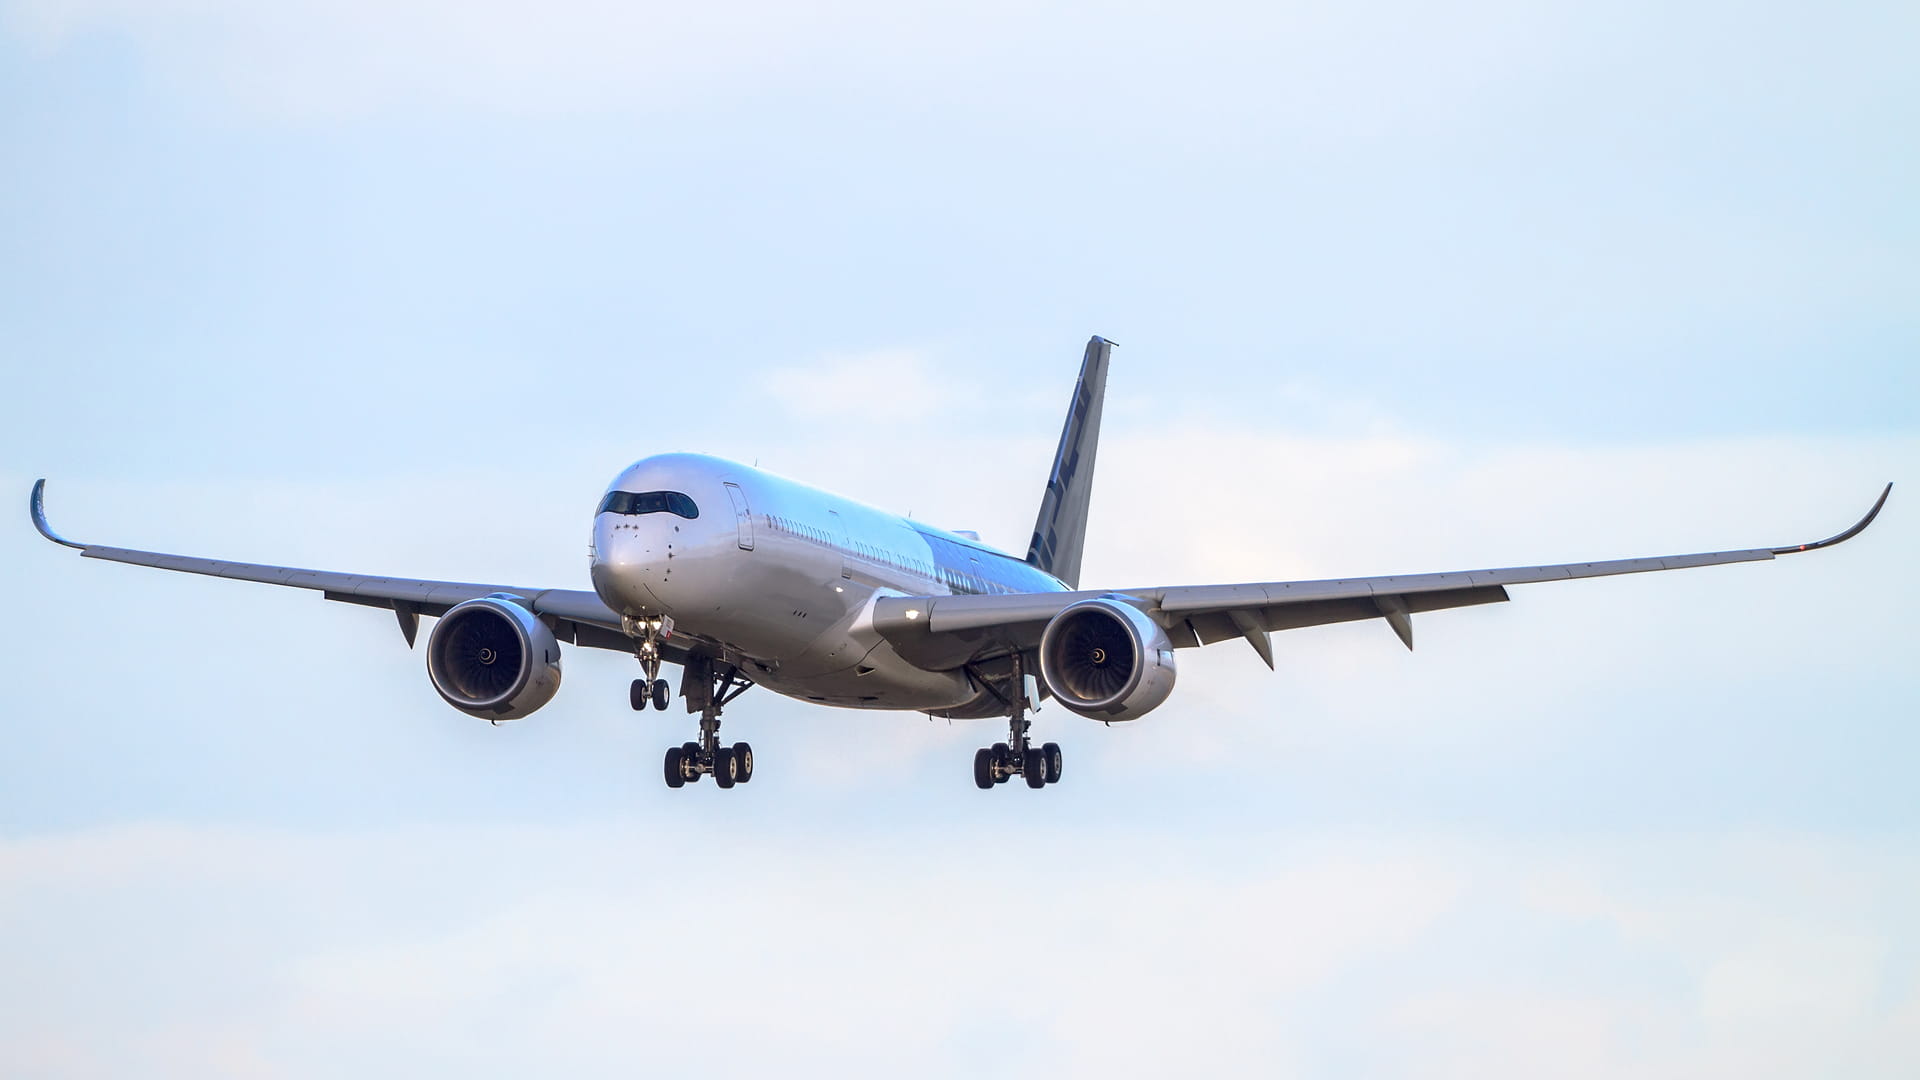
column 741, row 578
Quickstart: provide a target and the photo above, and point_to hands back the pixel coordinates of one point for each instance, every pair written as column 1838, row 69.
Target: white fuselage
column 785, row 576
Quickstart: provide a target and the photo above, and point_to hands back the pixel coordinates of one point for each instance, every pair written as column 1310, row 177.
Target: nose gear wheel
column 643, row 695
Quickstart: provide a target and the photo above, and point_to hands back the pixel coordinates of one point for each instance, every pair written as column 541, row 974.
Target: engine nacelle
column 493, row 658
column 1106, row 660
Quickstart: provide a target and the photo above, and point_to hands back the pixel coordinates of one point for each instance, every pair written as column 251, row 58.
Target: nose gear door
column 741, row 516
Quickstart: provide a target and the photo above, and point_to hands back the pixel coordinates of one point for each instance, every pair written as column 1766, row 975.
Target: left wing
column 576, row 616
column 943, row 632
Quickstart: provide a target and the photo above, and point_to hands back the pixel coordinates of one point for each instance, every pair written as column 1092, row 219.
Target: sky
column 399, row 287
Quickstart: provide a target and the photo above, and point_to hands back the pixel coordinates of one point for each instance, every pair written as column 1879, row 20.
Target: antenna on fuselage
column 1061, row 529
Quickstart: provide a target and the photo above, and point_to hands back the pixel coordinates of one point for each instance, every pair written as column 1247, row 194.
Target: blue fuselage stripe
column 975, row 568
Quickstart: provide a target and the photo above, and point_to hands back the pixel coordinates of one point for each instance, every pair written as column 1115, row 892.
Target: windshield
column 648, row 502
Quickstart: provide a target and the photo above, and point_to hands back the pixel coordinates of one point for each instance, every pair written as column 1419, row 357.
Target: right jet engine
column 1106, row 660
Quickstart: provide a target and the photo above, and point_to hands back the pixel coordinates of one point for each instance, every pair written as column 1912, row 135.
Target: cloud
column 598, row 948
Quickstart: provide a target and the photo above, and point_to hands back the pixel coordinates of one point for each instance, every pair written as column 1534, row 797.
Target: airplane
column 743, row 578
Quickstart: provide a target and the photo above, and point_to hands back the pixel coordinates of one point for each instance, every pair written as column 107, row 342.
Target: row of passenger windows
column 794, row 528
column 649, row 502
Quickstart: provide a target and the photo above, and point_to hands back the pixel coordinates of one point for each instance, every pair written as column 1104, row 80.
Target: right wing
column 943, row 632
column 576, row 616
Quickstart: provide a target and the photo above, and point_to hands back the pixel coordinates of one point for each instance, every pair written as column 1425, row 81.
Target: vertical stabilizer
column 1061, row 529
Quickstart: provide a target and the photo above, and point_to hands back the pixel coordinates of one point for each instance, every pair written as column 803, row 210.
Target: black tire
column 662, row 694
column 983, row 768
column 1055, row 759
column 675, row 777
column 726, row 769
column 743, row 761
column 690, row 753
column 1034, row 768
column 637, row 695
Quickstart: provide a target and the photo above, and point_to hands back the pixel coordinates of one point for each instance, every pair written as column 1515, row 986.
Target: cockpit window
column 649, row 502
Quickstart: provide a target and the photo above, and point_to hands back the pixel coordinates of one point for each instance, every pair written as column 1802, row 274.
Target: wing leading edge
column 576, row 616
column 946, row 631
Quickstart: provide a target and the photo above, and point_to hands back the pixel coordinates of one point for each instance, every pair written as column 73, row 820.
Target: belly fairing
column 880, row 680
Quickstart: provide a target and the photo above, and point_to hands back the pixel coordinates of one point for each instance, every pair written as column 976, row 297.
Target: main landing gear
column 996, row 764
column 708, row 685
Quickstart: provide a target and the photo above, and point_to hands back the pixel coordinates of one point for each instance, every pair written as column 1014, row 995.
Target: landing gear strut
column 708, row 685
column 1017, row 756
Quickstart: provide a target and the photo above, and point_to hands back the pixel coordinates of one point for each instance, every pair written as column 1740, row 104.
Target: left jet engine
column 493, row 658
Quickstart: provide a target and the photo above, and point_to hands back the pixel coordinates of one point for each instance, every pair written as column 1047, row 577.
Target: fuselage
column 785, row 576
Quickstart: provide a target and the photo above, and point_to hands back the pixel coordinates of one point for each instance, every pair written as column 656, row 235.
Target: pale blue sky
column 398, row 287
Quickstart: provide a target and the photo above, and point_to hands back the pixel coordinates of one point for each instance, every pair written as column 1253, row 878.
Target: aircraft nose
column 629, row 563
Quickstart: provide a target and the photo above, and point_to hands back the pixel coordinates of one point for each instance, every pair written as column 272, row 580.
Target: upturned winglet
column 37, row 505
column 1858, row 527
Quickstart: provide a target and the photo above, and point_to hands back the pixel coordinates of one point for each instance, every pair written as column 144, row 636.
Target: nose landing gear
column 996, row 764
column 647, row 634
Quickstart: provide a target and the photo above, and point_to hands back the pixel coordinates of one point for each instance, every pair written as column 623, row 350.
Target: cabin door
column 846, row 543
column 741, row 516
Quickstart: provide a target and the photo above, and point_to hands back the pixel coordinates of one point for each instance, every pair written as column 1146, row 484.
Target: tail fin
column 1062, row 526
